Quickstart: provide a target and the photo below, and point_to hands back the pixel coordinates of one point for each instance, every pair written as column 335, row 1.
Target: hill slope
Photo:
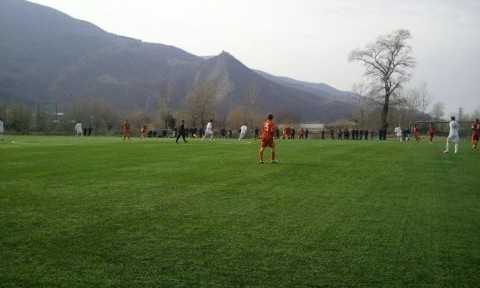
column 48, row 56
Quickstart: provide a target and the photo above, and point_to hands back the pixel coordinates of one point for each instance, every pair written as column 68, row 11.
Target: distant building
column 312, row 127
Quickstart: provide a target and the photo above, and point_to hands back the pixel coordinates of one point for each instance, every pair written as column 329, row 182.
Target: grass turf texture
column 103, row 212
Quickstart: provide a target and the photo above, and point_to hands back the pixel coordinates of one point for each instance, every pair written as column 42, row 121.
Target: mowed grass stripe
column 146, row 213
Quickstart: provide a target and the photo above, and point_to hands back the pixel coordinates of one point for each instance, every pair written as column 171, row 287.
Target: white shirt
column 209, row 127
column 243, row 129
column 78, row 128
column 398, row 130
column 454, row 127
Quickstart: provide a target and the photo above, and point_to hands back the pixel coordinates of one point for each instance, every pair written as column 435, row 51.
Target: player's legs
column 474, row 142
column 263, row 144
column 273, row 152
column 260, row 153
column 447, row 146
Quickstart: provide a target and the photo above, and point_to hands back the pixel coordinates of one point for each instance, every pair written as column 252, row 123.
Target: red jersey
column 126, row 126
column 475, row 129
column 268, row 130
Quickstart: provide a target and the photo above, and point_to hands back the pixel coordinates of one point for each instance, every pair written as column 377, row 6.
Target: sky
column 309, row 40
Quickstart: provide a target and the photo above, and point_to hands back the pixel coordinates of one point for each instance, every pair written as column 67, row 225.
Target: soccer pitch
column 103, row 212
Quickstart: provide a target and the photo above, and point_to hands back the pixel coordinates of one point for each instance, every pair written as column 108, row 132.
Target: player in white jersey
column 209, row 130
column 398, row 132
column 78, row 129
column 453, row 135
column 243, row 130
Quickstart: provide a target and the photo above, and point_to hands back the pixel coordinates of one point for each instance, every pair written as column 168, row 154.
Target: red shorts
column 475, row 136
column 268, row 142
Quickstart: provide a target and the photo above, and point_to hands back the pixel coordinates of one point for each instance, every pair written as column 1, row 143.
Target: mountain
column 47, row 56
column 320, row 89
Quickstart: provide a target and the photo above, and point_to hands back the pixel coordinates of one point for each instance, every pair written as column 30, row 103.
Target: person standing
column 126, row 130
column 181, row 132
column 475, row 134
column 452, row 135
column 398, row 132
column 431, row 131
column 268, row 131
column 256, row 133
column 209, row 130
column 416, row 133
column 2, row 130
column 78, row 129
column 143, row 131
column 243, row 130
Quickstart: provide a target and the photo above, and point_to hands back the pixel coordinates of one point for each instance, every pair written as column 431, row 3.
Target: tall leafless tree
column 386, row 62
column 200, row 103
column 438, row 110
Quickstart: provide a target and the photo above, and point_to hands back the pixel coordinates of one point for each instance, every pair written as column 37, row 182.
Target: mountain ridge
column 51, row 57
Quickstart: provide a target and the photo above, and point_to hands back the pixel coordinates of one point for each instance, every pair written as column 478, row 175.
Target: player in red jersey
column 416, row 133
column 126, row 129
column 431, row 131
column 475, row 134
column 268, row 131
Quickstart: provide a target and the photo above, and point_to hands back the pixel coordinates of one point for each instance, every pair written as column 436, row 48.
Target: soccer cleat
column 261, row 162
column 274, row 161
column 446, row 151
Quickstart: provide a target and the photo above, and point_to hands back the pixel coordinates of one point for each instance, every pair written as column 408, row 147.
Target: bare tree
column 287, row 117
column 165, row 111
column 19, row 117
column 364, row 106
column 386, row 62
column 200, row 103
column 425, row 97
column 413, row 102
column 251, row 104
column 438, row 110
column 97, row 114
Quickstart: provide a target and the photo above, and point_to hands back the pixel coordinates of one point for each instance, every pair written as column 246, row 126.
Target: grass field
column 103, row 212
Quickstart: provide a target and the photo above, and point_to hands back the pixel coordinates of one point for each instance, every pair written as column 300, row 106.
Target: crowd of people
column 402, row 134
column 453, row 137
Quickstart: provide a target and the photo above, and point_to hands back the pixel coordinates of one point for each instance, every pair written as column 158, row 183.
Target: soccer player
column 243, row 130
column 182, row 132
column 416, row 133
column 143, row 131
column 452, row 135
column 431, row 132
column 209, row 130
column 78, row 129
column 2, row 131
column 268, row 131
column 475, row 134
column 126, row 129
column 398, row 132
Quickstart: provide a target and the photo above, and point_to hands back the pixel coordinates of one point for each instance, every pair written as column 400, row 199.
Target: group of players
column 267, row 135
column 454, row 138
column 269, row 128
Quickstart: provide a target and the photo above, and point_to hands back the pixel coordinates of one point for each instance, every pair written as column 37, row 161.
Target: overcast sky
column 308, row 40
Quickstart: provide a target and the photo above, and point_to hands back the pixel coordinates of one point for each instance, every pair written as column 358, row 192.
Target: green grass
column 103, row 212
